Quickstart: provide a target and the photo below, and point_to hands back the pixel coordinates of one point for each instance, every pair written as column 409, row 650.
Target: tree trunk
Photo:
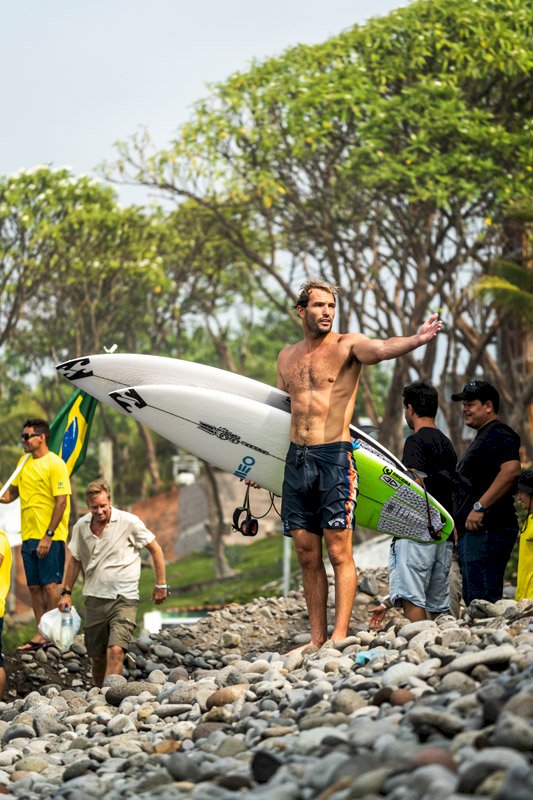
column 151, row 458
column 216, row 527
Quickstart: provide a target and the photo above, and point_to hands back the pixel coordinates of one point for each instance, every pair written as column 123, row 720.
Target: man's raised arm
column 372, row 351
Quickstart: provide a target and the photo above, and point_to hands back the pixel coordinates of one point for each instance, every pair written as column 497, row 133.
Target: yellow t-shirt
column 5, row 571
column 40, row 482
column 524, row 574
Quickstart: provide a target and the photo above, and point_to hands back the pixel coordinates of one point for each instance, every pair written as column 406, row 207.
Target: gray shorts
column 420, row 573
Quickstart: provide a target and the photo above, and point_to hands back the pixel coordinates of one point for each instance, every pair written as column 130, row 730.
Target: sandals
column 30, row 646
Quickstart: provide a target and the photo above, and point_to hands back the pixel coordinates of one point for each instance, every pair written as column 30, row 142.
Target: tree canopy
column 383, row 160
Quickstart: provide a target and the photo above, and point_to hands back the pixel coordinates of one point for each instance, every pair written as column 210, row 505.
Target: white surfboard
column 98, row 375
column 250, row 439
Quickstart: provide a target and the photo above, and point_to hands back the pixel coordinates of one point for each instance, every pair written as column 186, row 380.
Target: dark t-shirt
column 430, row 451
column 495, row 443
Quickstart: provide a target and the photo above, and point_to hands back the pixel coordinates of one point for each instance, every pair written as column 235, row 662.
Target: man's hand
column 65, row 603
column 159, row 596
column 429, row 329
column 474, row 521
column 43, row 548
column 252, row 484
column 377, row 616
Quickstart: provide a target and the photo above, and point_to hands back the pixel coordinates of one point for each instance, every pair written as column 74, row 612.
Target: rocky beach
column 417, row 711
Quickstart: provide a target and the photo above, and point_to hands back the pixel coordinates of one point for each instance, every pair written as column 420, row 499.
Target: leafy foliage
column 374, row 161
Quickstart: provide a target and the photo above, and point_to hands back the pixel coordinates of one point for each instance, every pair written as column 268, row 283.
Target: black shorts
column 319, row 488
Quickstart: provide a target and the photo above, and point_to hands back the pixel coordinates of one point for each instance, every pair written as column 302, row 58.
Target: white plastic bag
column 52, row 627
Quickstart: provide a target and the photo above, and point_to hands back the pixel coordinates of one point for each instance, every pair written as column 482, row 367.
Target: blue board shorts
column 420, row 573
column 40, row 571
column 319, row 488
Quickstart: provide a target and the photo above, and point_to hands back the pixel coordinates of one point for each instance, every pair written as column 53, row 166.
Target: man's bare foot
column 31, row 645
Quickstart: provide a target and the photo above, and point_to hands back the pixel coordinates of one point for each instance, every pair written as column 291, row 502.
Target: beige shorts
column 108, row 623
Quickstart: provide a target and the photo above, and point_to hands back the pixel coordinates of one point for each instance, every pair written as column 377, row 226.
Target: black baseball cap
column 479, row 390
column 525, row 482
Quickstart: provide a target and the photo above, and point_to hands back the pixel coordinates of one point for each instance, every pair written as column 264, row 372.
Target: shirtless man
column 321, row 374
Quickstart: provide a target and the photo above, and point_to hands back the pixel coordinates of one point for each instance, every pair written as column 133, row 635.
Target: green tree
column 373, row 161
column 509, row 284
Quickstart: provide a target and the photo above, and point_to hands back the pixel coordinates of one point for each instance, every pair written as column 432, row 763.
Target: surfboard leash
column 249, row 526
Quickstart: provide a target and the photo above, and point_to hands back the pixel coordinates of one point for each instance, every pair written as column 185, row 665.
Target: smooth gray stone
column 474, row 770
column 458, row 682
column 143, row 643
column 183, row 768
column 490, row 656
column 430, row 780
column 113, row 680
column 411, row 629
column 422, row 716
column 307, row 741
column 370, row 783
column 153, row 781
column 512, row 731
column 348, row 700
column 32, row 764
column 369, row 584
column 162, row 651
column 364, row 732
column 79, row 768
column 157, row 676
column 116, row 694
column 18, row 732
column 399, row 674
column 46, row 724
column 520, row 704
column 481, row 609
column 517, row 784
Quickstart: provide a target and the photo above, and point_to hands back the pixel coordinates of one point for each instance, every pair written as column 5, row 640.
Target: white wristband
column 161, row 586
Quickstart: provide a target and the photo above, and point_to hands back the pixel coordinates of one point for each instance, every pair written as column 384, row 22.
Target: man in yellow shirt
column 524, row 576
column 5, row 579
column 43, row 486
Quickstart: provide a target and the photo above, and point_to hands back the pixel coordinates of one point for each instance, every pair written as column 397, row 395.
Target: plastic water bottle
column 66, row 630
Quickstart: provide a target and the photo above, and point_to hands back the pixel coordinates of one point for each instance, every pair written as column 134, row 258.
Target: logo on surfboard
column 228, row 436
column 390, row 481
column 74, row 370
column 244, row 467
column 128, row 400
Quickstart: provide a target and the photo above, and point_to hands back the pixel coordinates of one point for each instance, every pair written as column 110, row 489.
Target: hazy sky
column 80, row 74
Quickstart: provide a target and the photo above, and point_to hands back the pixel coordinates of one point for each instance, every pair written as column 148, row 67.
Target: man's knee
column 340, row 550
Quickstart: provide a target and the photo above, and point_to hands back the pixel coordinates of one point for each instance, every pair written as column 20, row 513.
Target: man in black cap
column 483, row 494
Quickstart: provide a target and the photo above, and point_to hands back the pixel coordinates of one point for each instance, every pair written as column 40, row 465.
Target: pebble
column 421, row 711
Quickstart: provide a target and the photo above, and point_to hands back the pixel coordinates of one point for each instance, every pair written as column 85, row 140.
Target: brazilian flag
column 69, row 430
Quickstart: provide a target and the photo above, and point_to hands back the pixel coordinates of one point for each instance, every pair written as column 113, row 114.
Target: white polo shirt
column 111, row 562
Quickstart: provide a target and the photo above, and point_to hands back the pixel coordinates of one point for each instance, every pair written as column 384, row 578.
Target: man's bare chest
column 315, row 371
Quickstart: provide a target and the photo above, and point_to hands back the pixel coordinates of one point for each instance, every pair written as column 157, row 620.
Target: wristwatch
column 478, row 507
column 65, row 591
column 49, row 533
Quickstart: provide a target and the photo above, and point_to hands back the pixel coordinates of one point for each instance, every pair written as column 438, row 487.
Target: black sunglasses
column 25, row 436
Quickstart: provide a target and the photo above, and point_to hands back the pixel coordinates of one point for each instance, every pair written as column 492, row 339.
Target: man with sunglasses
column 43, row 486
column 483, row 503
